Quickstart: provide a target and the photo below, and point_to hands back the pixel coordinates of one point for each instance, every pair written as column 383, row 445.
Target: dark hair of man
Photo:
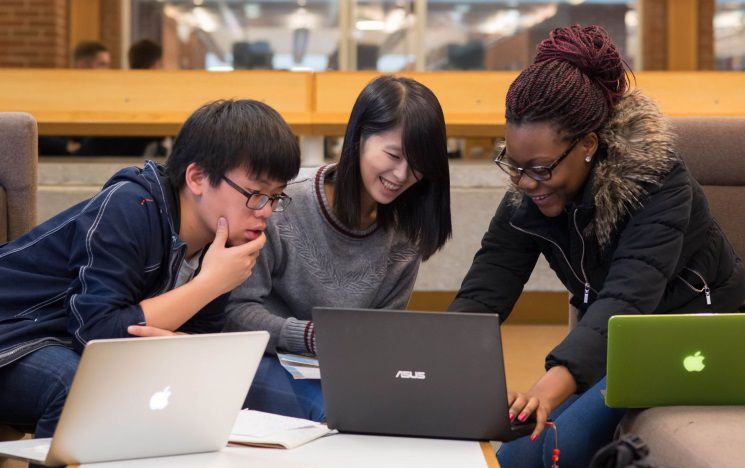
column 575, row 80
column 143, row 54
column 423, row 211
column 87, row 49
column 223, row 135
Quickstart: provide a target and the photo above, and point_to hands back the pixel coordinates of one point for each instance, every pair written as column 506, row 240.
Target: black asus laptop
column 428, row 374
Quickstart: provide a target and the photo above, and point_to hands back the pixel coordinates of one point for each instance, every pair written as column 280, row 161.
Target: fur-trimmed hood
column 640, row 152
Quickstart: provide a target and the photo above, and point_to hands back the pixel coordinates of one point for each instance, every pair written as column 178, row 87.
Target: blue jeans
column 34, row 388
column 585, row 425
column 275, row 391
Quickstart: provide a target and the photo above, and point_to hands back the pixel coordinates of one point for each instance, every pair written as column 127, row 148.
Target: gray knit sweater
column 311, row 259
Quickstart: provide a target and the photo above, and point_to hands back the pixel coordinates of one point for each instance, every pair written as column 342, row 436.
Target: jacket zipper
column 175, row 257
column 23, row 346
column 705, row 289
column 173, row 269
column 585, row 283
column 582, row 258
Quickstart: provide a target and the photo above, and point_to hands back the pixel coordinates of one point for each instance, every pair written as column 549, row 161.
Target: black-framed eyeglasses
column 256, row 200
column 539, row 173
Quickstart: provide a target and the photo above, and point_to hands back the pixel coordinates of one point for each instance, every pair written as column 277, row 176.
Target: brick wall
column 33, row 33
column 706, row 34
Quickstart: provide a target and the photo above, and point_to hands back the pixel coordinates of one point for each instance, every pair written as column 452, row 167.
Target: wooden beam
column 473, row 102
column 85, row 21
column 682, row 35
column 652, row 32
column 143, row 102
column 147, row 102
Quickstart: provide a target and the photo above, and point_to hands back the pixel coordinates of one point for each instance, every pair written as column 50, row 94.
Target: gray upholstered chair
column 704, row 436
column 18, row 169
column 714, row 150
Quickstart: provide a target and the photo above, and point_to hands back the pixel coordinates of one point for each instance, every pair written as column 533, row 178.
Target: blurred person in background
column 91, row 54
column 145, row 55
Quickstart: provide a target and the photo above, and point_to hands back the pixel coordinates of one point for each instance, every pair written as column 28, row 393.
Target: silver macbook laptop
column 147, row 397
column 429, row 374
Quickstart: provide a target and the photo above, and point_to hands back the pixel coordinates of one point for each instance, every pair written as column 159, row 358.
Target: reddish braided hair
column 575, row 80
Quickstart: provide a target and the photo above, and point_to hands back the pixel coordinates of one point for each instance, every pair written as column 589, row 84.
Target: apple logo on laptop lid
column 159, row 400
column 694, row 362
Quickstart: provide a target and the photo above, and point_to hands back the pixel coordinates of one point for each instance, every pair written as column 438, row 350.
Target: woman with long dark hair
column 353, row 236
column 598, row 189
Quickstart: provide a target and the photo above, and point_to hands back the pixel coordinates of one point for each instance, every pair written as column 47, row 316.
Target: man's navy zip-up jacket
column 82, row 275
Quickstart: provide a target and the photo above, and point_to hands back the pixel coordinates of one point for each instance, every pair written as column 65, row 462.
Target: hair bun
column 592, row 52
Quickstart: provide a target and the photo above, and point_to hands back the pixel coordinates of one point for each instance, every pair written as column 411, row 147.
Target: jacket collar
column 171, row 196
column 164, row 192
column 636, row 152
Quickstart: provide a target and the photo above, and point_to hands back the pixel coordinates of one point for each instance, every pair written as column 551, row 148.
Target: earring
column 588, row 158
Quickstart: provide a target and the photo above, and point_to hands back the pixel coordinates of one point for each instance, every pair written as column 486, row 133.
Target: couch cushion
column 691, row 436
column 725, row 205
column 712, row 148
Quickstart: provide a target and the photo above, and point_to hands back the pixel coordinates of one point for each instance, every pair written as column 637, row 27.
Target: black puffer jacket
column 642, row 240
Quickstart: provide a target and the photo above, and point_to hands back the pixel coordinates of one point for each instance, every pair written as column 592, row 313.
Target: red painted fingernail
column 533, row 438
column 523, row 416
column 512, row 416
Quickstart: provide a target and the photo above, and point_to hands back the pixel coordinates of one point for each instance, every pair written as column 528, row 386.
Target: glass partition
column 729, row 35
column 384, row 35
column 241, row 34
column 502, row 35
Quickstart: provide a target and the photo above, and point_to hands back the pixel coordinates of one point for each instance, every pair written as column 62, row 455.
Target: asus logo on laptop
column 405, row 374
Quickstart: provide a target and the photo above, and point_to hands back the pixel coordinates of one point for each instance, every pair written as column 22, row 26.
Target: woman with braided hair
column 598, row 190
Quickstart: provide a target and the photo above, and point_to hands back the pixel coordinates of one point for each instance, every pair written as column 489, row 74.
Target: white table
column 339, row 450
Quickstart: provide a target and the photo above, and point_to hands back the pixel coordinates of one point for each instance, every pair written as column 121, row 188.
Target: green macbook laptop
column 676, row 359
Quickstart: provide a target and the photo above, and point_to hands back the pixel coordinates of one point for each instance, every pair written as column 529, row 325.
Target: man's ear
column 197, row 179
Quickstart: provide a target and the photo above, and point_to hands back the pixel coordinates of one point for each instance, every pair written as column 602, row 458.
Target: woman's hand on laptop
column 525, row 406
column 549, row 392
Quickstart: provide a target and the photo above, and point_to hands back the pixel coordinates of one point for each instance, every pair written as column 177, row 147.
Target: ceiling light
column 369, row 25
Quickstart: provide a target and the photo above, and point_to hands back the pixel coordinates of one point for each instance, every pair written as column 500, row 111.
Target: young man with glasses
column 153, row 253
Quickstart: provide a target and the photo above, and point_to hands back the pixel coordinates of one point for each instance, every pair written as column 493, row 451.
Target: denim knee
column 56, row 366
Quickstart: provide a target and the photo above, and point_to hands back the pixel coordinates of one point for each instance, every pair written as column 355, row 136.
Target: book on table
column 261, row 429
